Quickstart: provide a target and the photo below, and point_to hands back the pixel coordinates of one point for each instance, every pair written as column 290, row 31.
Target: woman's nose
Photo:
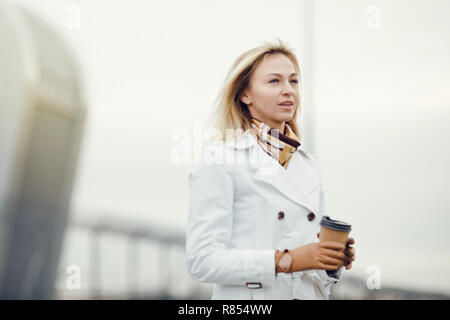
column 287, row 88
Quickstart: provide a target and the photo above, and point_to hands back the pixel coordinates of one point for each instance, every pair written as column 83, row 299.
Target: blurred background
column 94, row 94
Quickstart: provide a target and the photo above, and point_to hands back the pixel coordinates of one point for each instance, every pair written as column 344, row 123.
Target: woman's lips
column 286, row 106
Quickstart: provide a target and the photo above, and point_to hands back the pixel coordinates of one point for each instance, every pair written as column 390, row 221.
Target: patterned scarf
column 278, row 145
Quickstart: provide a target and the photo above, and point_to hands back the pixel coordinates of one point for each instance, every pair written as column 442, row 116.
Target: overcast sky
column 376, row 113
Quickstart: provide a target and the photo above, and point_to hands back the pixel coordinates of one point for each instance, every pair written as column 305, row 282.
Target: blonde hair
column 230, row 112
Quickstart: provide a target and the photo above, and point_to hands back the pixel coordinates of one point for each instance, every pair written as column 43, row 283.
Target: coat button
column 280, row 215
column 311, row 216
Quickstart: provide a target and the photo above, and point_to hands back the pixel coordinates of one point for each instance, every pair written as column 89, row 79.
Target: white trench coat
column 244, row 205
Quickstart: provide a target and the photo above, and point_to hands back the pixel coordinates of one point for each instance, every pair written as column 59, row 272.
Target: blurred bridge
column 169, row 271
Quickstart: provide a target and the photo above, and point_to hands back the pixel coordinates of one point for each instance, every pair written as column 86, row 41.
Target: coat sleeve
column 209, row 257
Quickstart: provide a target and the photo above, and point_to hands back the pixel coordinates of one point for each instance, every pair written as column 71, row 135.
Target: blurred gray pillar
column 41, row 118
column 308, row 74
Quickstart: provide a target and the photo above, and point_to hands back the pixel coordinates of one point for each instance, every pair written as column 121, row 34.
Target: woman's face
column 273, row 82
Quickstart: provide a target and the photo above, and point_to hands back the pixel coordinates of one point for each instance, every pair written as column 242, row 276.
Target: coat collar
column 299, row 182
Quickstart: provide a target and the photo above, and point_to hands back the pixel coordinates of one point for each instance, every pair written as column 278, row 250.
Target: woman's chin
column 285, row 116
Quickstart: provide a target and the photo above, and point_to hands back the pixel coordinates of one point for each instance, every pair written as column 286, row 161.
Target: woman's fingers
column 349, row 258
column 330, row 266
column 350, row 241
column 332, row 261
column 334, row 254
column 332, row 245
column 350, row 253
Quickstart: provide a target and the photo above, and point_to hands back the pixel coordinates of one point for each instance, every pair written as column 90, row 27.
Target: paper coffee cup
column 334, row 230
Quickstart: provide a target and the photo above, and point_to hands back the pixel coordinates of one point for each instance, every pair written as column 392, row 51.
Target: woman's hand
column 349, row 253
column 327, row 255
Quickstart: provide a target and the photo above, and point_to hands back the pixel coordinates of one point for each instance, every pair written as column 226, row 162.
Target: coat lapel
column 299, row 182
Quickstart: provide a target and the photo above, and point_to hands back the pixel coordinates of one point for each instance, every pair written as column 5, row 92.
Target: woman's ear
column 245, row 99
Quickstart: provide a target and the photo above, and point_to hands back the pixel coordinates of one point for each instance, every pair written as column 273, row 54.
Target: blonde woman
column 256, row 199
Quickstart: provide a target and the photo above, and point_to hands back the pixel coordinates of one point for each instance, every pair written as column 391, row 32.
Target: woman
column 257, row 199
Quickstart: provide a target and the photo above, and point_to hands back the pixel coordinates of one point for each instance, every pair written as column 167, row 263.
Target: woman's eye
column 295, row 81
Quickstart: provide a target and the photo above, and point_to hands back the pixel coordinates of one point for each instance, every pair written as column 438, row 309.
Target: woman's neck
column 274, row 125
